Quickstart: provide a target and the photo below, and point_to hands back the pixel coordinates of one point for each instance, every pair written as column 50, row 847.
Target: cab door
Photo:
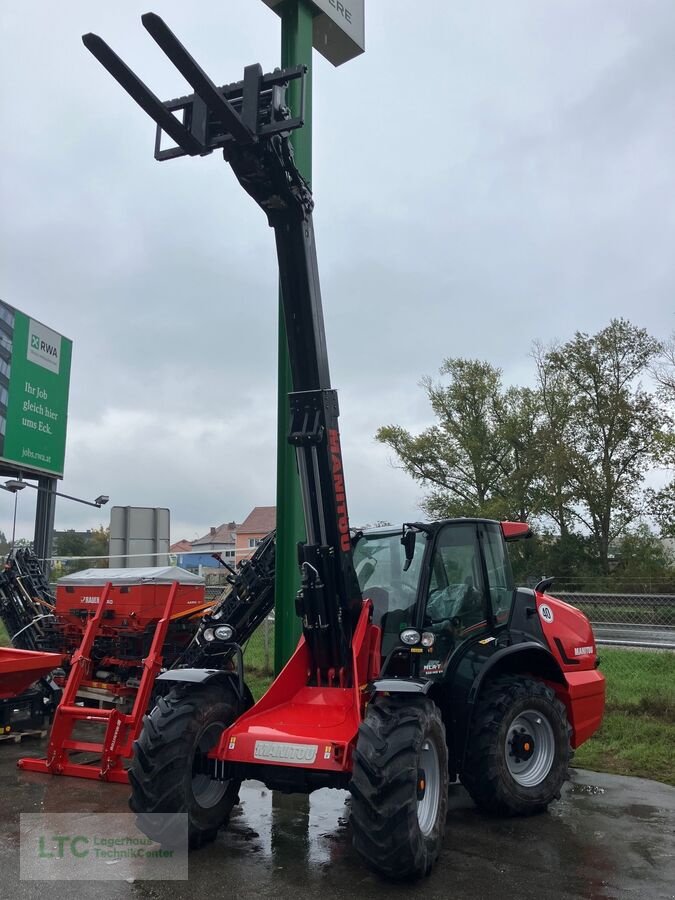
column 498, row 573
column 458, row 603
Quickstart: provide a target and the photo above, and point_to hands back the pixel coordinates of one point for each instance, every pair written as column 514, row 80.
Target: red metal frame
column 122, row 729
column 21, row 668
column 325, row 720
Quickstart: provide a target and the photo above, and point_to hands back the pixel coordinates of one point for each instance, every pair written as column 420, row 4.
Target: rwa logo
column 44, row 346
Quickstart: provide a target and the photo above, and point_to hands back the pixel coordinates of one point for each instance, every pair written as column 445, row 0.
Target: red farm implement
column 26, row 696
column 19, row 669
column 121, row 729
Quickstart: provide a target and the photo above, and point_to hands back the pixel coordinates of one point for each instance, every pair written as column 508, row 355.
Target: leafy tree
column 644, row 564
column 569, row 557
column 663, row 369
column 70, row 543
column 661, row 507
column 553, row 494
column 571, row 453
column 463, row 458
column 99, row 542
column 661, row 504
column 615, row 429
column 519, row 417
column 77, row 544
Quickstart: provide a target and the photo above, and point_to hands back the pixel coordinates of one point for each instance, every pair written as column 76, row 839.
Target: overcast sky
column 485, row 175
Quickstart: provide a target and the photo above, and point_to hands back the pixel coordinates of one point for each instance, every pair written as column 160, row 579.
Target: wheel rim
column 530, row 748
column 205, row 790
column 427, row 806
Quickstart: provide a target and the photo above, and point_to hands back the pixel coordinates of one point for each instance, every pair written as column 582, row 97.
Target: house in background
column 259, row 522
column 181, row 546
column 197, row 556
column 218, row 540
column 234, row 542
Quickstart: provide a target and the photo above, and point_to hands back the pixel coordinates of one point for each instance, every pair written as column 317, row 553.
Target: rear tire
column 181, row 728
column 518, row 752
column 399, row 786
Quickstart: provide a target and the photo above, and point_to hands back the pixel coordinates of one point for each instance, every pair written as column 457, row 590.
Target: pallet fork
column 122, row 728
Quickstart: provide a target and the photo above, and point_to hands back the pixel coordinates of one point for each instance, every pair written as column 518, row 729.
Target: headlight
column 209, row 635
column 428, row 638
column 224, row 632
column 410, row 637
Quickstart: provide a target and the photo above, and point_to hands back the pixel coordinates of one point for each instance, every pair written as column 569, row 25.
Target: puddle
column 285, row 827
column 586, row 789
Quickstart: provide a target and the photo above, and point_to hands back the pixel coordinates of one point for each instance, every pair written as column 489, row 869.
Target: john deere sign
column 338, row 29
column 34, row 379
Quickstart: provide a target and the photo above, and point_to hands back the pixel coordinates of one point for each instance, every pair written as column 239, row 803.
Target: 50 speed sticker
column 546, row 612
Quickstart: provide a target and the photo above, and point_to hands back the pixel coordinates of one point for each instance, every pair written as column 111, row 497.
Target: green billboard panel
column 34, row 381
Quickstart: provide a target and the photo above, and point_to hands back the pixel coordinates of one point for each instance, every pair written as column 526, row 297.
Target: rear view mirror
column 515, row 531
column 408, row 541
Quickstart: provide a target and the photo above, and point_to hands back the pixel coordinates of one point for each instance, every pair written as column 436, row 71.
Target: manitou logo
column 278, row 751
column 339, row 486
column 44, row 346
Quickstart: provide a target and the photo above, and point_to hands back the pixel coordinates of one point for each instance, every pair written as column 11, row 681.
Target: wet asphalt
column 608, row 837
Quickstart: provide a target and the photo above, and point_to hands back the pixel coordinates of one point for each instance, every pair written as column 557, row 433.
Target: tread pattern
column 485, row 774
column 161, row 770
column 384, row 822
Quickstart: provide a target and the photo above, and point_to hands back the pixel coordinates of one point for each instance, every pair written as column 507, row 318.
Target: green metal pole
column 296, row 49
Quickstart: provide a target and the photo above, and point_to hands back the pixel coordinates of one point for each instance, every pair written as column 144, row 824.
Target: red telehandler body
column 420, row 661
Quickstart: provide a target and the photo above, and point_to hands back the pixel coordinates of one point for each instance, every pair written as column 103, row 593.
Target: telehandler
column 420, row 662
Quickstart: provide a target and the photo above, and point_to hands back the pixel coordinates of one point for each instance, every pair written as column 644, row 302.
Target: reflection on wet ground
column 607, row 838
column 276, row 825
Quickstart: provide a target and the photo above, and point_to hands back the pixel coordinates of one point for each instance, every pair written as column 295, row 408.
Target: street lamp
column 14, row 487
column 16, row 484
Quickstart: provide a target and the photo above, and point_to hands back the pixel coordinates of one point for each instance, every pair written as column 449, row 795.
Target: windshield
column 379, row 561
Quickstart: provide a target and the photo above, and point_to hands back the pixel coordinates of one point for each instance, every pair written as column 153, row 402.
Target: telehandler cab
column 419, row 662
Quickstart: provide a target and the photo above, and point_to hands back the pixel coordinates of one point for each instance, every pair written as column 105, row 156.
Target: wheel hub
column 428, row 786
column 421, row 784
column 529, row 748
column 522, row 746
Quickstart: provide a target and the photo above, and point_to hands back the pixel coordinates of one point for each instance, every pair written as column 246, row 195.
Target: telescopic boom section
column 251, row 123
column 329, row 599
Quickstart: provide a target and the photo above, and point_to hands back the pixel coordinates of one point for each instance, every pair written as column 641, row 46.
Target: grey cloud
column 485, row 175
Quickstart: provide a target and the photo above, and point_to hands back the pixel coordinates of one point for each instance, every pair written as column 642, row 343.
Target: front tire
column 399, row 786
column 518, row 752
column 164, row 773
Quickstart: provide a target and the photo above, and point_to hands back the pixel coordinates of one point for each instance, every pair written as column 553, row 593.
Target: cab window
column 379, row 561
column 500, row 577
column 456, row 595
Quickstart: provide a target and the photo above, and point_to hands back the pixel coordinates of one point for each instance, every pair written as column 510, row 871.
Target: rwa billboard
column 34, row 381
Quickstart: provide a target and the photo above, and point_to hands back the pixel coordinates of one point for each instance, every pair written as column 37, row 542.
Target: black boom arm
column 251, row 123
